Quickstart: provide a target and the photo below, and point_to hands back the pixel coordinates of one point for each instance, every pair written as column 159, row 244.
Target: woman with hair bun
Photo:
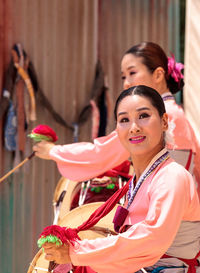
column 158, row 228
column 143, row 64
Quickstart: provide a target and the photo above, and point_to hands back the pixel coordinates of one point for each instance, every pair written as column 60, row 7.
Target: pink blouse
column 165, row 199
column 84, row 160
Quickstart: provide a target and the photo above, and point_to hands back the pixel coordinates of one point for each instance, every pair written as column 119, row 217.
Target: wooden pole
column 18, row 166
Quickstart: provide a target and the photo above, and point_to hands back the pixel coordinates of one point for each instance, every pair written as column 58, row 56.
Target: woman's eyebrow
column 138, row 110
column 128, row 68
column 142, row 109
column 122, row 113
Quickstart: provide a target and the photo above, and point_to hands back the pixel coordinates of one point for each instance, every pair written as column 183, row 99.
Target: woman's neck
column 162, row 88
column 140, row 162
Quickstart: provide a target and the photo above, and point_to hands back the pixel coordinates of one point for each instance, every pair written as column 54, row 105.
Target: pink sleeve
column 179, row 127
column 184, row 136
column 85, row 160
column 146, row 241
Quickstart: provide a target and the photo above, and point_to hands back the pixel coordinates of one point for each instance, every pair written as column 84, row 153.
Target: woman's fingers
column 48, row 245
column 50, row 257
column 58, row 254
column 42, row 149
column 49, row 250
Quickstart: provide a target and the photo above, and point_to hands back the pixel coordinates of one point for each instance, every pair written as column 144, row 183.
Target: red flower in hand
column 39, row 133
column 43, row 132
column 58, row 235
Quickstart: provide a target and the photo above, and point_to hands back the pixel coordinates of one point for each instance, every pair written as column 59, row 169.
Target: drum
column 63, row 196
column 73, row 219
column 94, row 190
column 71, row 194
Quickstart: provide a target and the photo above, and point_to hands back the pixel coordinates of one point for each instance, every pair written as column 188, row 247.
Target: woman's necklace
column 132, row 191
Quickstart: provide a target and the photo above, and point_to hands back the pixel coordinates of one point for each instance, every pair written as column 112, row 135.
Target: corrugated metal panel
column 62, row 40
column 2, row 32
column 4, row 41
column 132, row 22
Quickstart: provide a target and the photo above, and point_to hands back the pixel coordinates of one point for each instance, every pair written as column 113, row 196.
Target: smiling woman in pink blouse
column 162, row 228
column 146, row 64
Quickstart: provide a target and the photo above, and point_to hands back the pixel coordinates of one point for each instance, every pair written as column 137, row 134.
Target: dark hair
column 154, row 56
column 143, row 91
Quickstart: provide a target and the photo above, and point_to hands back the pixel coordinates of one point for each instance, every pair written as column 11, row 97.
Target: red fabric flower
column 66, row 235
column 46, row 131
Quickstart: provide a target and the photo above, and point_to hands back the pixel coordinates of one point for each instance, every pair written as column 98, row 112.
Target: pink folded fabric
column 62, row 268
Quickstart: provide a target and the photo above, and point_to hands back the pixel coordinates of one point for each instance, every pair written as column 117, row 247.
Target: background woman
column 163, row 207
column 147, row 64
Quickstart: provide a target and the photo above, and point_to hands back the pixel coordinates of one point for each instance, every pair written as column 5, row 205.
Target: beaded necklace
column 132, row 191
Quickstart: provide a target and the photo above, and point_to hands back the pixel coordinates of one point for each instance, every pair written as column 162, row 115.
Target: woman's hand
column 42, row 149
column 58, row 254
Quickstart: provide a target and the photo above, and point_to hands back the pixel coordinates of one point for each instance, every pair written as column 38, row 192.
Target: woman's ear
column 159, row 74
column 165, row 121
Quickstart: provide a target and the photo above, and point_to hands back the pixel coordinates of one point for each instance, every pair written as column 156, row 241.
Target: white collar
column 166, row 94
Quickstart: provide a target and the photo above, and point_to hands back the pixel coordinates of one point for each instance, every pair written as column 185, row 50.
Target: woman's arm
column 84, row 160
column 170, row 201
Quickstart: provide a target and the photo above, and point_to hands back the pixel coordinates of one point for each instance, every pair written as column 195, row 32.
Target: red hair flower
column 43, row 132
